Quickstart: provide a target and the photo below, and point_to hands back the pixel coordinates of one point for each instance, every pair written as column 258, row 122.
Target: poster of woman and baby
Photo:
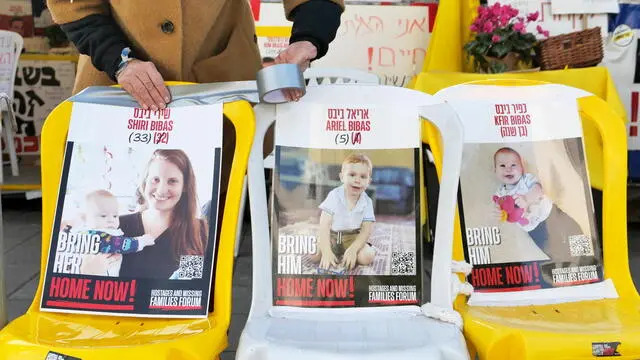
column 346, row 228
column 134, row 232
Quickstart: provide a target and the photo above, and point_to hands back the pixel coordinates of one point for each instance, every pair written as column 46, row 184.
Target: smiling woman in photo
column 169, row 213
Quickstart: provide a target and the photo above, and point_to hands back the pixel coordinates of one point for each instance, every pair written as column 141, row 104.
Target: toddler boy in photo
column 347, row 218
column 100, row 217
column 547, row 225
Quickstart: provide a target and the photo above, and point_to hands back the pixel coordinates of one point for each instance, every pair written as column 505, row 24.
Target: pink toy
column 508, row 206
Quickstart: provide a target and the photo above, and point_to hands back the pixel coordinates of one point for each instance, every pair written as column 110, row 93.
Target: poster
column 345, row 216
column 622, row 59
column 8, row 58
column 390, row 41
column 40, row 85
column 584, row 6
column 16, row 16
column 556, row 24
column 528, row 215
column 135, row 226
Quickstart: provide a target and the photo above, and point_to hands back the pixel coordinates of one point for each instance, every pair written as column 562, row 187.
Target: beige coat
column 211, row 40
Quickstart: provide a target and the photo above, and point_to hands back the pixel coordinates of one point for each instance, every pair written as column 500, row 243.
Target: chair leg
column 243, row 201
column 13, row 156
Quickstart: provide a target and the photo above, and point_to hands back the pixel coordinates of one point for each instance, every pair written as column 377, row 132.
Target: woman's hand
column 301, row 53
column 142, row 80
column 98, row 264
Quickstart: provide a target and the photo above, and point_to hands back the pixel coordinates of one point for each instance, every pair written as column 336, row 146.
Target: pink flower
column 545, row 33
column 487, row 27
column 473, row 27
column 481, row 11
column 496, row 9
column 519, row 26
column 495, row 38
column 504, row 20
column 533, row 16
column 540, row 30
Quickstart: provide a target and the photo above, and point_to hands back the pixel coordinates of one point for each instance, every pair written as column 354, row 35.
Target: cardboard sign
column 135, row 226
column 40, row 85
column 390, row 41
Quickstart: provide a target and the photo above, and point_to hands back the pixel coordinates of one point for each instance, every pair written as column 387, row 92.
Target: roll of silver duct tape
column 272, row 80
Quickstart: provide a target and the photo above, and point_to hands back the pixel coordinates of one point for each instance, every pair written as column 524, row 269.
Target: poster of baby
column 346, row 225
column 134, row 229
column 528, row 215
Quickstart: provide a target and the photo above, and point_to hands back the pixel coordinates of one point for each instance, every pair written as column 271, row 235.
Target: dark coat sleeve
column 99, row 37
column 316, row 21
column 90, row 27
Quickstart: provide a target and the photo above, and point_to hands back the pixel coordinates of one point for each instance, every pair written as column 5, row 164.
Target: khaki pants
column 341, row 240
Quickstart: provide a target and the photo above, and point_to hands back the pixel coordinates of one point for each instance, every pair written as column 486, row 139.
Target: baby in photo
column 520, row 199
column 347, row 218
column 100, row 217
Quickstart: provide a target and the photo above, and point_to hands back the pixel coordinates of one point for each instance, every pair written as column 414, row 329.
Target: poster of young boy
column 135, row 226
column 346, row 225
column 526, row 198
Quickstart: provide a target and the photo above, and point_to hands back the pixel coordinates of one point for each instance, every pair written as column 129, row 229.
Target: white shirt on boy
column 344, row 219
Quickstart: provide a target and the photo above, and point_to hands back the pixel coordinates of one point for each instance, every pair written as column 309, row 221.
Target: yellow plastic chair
column 36, row 333
column 567, row 330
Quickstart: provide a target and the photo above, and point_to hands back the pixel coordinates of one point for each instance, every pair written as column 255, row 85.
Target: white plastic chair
column 430, row 331
column 313, row 77
column 11, row 43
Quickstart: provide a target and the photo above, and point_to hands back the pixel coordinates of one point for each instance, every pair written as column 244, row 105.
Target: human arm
column 91, row 28
column 350, row 257
column 327, row 257
column 315, row 23
column 119, row 244
column 99, row 264
column 533, row 195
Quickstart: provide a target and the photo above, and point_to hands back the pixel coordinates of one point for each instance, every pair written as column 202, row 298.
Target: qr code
column 403, row 263
column 190, row 267
column 580, row 245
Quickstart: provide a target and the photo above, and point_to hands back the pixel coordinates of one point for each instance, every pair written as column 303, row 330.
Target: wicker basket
column 575, row 50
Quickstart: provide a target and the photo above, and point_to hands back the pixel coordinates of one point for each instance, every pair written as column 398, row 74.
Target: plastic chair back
column 35, row 333
column 572, row 329
column 11, row 44
column 290, row 332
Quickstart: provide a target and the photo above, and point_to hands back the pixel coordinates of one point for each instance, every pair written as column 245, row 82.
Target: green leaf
column 484, row 37
column 500, row 49
column 521, row 45
column 468, row 47
column 497, row 67
column 482, row 48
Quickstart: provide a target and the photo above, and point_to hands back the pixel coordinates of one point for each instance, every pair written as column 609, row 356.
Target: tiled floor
column 22, row 225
